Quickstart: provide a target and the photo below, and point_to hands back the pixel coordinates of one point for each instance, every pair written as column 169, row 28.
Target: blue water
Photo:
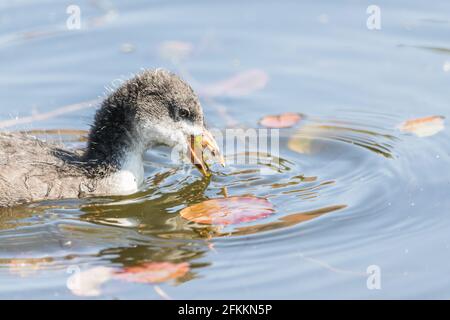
column 391, row 208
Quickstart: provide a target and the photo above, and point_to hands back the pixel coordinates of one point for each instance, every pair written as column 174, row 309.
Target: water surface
column 356, row 193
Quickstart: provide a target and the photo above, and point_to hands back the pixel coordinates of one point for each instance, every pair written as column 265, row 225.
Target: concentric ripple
column 330, row 173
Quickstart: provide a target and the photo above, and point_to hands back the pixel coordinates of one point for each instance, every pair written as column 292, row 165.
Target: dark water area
column 350, row 190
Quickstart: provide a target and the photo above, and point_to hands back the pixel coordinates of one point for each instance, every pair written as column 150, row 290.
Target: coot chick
column 154, row 107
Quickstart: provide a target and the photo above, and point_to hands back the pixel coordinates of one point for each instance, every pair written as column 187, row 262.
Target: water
column 360, row 194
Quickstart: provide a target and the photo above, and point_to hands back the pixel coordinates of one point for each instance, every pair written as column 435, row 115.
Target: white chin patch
column 192, row 129
column 173, row 135
column 158, row 134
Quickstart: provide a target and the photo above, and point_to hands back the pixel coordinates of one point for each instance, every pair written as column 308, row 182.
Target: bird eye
column 184, row 113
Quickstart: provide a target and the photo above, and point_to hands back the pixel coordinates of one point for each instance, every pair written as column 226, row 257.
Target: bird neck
column 130, row 174
column 114, row 150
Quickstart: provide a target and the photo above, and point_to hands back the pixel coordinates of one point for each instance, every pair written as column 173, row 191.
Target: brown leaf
column 284, row 120
column 226, row 211
column 424, row 127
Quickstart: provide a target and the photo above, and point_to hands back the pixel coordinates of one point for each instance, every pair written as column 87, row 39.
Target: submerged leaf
column 226, row 211
column 284, row 120
column 175, row 50
column 239, row 85
column 87, row 283
column 153, row 272
column 423, row 127
column 302, row 141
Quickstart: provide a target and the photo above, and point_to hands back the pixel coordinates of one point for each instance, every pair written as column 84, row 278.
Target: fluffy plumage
column 154, row 107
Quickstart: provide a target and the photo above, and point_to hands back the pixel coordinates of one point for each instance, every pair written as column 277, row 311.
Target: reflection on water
column 146, row 227
column 285, row 221
column 349, row 189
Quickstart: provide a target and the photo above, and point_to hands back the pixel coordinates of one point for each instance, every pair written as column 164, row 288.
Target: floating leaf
column 87, row 283
column 423, row 127
column 226, row 211
column 153, row 272
column 239, row 85
column 284, row 120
